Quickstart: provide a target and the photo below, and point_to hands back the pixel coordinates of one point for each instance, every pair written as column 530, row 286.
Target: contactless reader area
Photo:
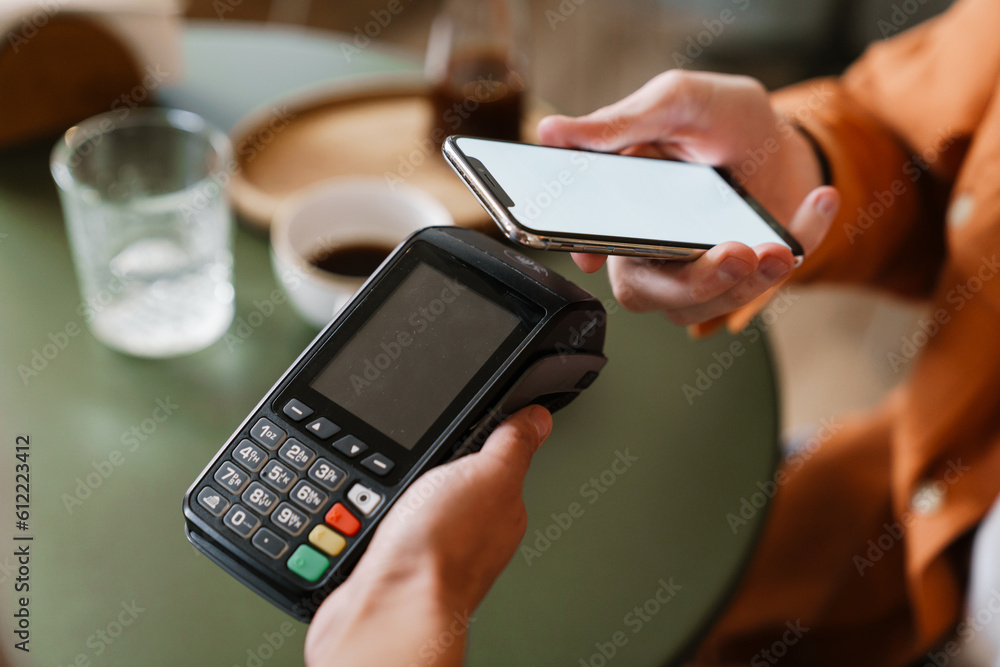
column 450, row 335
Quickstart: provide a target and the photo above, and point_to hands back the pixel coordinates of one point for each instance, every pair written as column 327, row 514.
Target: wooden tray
column 378, row 127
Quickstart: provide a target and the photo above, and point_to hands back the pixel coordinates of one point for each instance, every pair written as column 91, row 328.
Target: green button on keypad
column 308, row 563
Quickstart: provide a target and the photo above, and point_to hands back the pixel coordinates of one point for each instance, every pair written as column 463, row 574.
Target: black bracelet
column 824, row 163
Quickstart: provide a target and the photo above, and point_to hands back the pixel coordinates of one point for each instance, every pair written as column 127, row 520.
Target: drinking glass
column 143, row 193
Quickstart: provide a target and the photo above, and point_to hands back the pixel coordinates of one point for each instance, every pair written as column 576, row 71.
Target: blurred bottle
column 477, row 69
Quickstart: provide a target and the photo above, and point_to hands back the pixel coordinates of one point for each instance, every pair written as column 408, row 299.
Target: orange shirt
column 865, row 543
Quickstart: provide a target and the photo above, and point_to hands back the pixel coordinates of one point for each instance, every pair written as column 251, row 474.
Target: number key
column 296, row 454
column 249, row 455
column 259, row 498
column 329, row 476
column 278, row 476
column 231, row 478
column 308, row 496
column 267, row 433
column 241, row 521
column 289, row 519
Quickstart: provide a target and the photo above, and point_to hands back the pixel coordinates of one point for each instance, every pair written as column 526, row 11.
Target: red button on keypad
column 340, row 518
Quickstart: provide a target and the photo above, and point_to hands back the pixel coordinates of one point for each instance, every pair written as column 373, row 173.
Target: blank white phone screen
column 575, row 193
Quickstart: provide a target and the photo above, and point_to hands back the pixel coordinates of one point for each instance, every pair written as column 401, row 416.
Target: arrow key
column 350, row 446
column 322, row 427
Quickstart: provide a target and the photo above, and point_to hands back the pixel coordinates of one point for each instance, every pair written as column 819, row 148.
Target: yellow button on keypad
column 327, row 540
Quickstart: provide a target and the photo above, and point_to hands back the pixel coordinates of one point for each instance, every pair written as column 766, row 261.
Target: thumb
column 515, row 441
column 813, row 218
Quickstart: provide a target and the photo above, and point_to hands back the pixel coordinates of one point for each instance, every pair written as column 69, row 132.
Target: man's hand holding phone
column 714, row 119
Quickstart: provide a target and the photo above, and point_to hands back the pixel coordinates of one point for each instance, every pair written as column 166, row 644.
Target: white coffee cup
column 332, row 217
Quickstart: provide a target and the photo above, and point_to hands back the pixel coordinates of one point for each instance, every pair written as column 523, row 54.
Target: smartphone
column 583, row 201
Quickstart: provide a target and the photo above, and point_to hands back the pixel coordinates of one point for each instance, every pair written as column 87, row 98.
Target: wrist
column 793, row 171
column 826, row 174
column 804, row 159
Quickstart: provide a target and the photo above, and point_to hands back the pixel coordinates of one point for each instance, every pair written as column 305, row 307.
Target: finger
column 551, row 131
column 515, row 441
column 644, row 285
column 589, row 263
column 775, row 263
column 661, row 151
column 666, row 103
column 812, row 220
column 558, row 131
column 704, row 300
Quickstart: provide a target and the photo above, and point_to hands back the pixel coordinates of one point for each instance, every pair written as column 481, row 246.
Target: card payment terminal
column 452, row 333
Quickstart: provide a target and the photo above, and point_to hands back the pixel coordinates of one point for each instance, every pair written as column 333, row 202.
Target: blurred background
column 586, row 53
column 831, row 347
